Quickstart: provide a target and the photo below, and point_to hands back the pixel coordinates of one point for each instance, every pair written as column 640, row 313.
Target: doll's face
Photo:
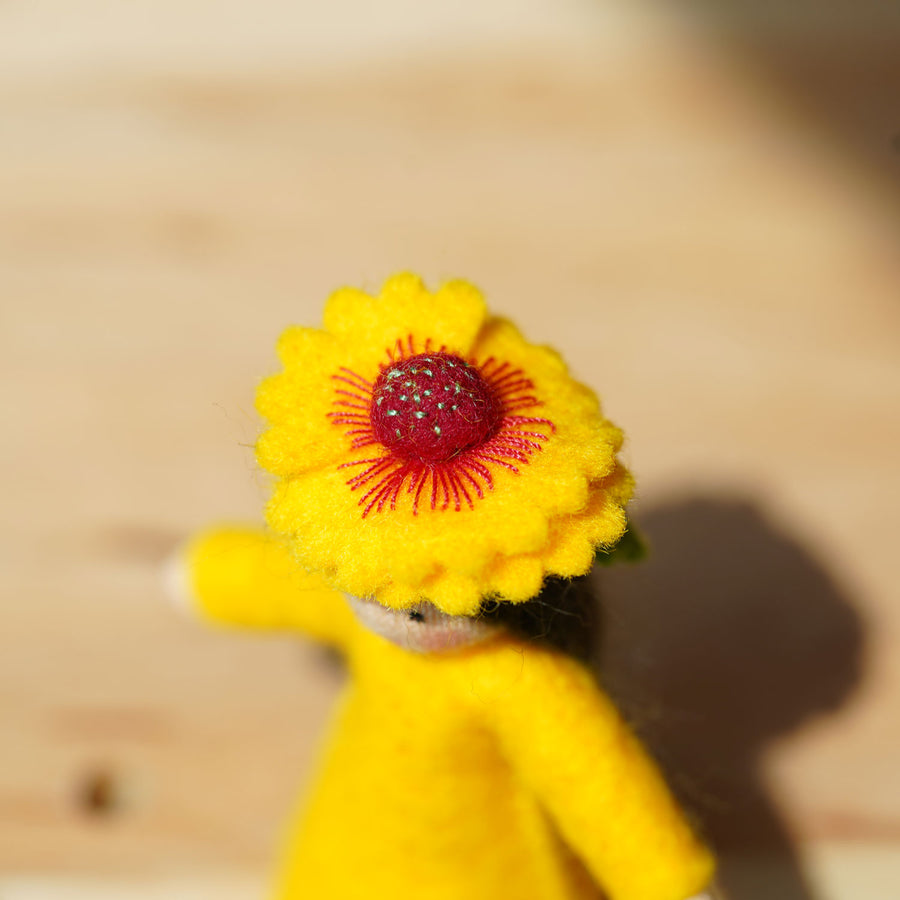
column 422, row 628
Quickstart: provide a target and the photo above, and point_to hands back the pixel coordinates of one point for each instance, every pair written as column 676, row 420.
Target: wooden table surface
column 701, row 214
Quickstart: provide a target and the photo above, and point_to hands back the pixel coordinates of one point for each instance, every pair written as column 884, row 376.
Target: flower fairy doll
column 434, row 468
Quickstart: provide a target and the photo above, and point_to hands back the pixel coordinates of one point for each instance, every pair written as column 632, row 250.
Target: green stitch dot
column 393, row 412
column 403, row 397
column 426, row 393
column 417, row 398
column 420, row 414
column 441, row 405
column 437, row 429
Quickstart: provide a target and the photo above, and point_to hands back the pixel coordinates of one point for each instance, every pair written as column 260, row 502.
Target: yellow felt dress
column 495, row 771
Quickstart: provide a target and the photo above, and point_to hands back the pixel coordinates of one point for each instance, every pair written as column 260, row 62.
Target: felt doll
column 433, row 469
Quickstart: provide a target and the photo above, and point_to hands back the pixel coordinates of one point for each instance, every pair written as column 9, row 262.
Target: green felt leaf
column 631, row 548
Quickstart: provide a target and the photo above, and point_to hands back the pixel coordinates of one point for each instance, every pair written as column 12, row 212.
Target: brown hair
column 564, row 614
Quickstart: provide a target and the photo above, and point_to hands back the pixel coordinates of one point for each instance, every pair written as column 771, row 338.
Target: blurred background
column 698, row 202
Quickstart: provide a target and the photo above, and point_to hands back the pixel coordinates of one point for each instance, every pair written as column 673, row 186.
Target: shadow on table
column 836, row 64
column 728, row 637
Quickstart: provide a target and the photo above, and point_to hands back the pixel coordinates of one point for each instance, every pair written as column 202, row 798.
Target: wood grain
column 717, row 260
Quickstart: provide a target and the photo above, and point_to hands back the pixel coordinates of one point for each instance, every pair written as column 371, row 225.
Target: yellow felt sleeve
column 248, row 578
column 606, row 796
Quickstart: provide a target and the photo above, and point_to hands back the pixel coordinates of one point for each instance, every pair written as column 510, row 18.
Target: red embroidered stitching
column 439, row 418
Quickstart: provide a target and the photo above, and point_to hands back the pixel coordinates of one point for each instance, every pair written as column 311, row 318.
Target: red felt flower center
column 441, row 423
column 432, row 406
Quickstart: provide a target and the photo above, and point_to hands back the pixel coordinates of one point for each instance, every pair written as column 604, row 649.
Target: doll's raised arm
column 571, row 747
column 247, row 578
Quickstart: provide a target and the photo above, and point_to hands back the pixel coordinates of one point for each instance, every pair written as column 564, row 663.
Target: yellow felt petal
column 535, row 516
column 501, row 340
column 294, row 395
column 299, row 345
column 322, row 508
column 605, row 521
column 516, row 579
column 406, row 315
column 455, row 594
column 571, row 548
column 290, row 450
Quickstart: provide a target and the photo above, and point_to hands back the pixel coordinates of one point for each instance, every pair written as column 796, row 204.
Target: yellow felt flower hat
column 425, row 451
